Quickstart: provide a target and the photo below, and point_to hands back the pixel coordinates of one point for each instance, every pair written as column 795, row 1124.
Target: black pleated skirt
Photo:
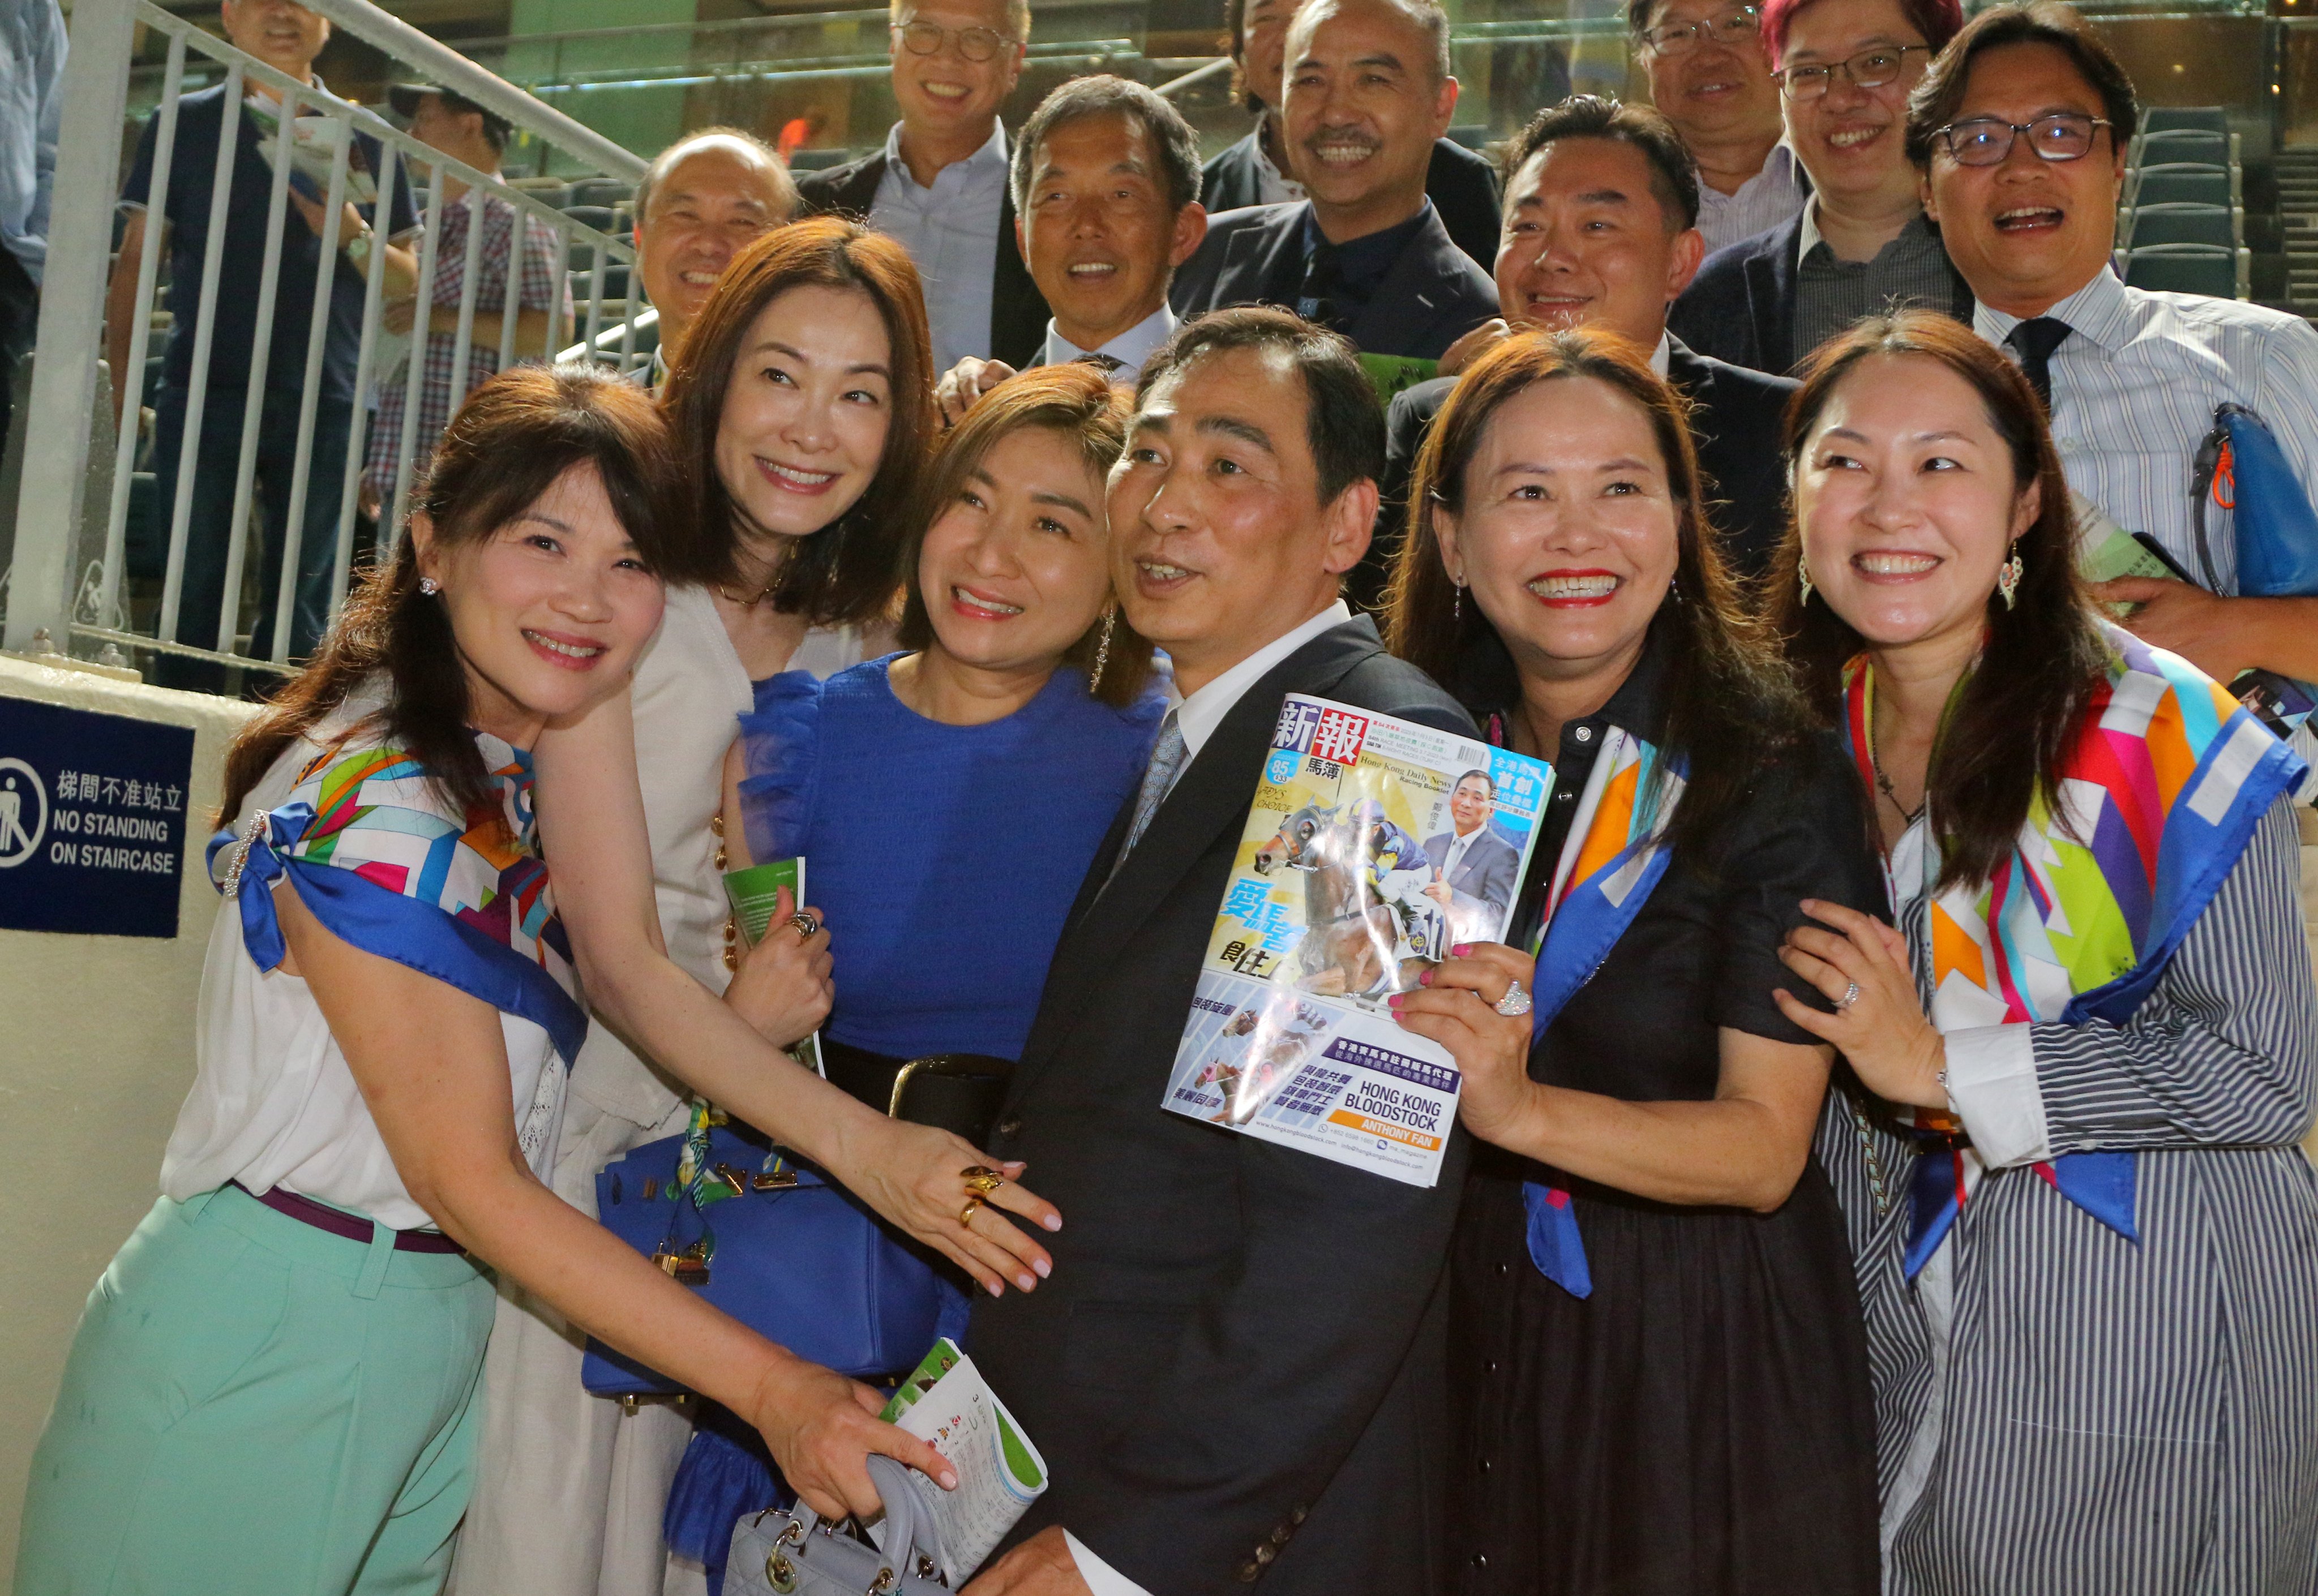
column 1701, row 1425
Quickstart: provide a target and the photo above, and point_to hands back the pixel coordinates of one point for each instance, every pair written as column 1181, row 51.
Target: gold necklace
column 761, row 594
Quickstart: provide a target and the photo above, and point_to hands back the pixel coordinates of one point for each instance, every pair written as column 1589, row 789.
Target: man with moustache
column 705, row 198
column 1236, row 1370
column 2021, row 133
column 1600, row 230
column 939, row 186
column 1710, row 78
column 1369, row 93
column 1107, row 185
column 1462, row 184
column 1862, row 243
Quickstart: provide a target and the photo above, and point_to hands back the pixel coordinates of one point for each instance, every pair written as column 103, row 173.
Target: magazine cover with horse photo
column 1373, row 847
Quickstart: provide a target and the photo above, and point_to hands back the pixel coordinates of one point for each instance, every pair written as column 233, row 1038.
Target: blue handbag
column 796, row 1258
column 2241, row 467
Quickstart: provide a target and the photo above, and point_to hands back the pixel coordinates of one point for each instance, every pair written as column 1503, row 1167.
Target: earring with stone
column 1102, row 648
column 1803, row 575
column 2007, row 577
column 429, row 585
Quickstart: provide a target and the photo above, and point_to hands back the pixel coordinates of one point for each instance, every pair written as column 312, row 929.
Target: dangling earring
column 2007, row 577
column 1803, row 575
column 1457, row 606
column 429, row 585
column 1102, row 648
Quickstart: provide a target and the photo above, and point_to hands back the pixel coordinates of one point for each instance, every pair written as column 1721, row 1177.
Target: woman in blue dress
column 948, row 799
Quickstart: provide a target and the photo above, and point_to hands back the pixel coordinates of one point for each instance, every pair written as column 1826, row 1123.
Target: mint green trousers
column 254, row 1406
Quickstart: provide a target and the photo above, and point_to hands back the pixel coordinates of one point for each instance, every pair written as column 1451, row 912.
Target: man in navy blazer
column 1461, row 182
column 1601, row 229
column 1476, row 865
column 1369, row 93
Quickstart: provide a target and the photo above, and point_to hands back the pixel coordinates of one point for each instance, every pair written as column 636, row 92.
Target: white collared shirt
column 1460, row 844
column 1662, row 353
column 951, row 232
column 1756, row 206
column 1130, row 349
column 1272, row 186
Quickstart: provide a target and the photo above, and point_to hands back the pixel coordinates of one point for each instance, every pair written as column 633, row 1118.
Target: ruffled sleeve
column 382, row 862
column 780, row 743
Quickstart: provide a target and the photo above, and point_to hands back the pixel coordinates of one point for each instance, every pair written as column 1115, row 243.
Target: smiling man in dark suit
column 1236, row 1370
column 1365, row 253
column 1601, row 229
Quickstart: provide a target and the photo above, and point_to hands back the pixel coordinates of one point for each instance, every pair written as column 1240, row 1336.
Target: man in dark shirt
column 287, row 38
column 1369, row 92
column 1601, row 230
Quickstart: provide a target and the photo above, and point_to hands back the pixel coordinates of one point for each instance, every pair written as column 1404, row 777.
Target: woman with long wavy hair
column 800, row 414
column 1658, row 1377
column 2085, row 1043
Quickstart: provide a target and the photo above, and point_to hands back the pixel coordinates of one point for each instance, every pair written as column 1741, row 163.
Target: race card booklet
column 754, row 893
column 1373, row 847
column 947, row 1404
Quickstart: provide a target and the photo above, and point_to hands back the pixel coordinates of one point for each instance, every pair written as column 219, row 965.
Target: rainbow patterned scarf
column 382, row 862
column 2168, row 779
column 1615, row 857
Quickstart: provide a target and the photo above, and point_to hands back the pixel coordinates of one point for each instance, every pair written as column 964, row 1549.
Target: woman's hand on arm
column 432, row 1065
column 591, row 821
column 1744, row 1147
column 1881, row 1028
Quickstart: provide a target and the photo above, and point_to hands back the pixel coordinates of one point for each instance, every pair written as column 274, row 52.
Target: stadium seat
column 2192, row 146
column 602, row 190
column 2185, row 268
column 615, row 288
column 2176, row 223
column 2194, row 185
column 2160, row 118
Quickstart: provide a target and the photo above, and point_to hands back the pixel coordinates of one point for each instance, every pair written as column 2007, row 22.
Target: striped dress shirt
column 2060, row 1410
column 1758, row 205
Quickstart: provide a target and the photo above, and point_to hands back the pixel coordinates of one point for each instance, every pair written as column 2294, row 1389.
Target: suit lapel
column 1255, row 257
column 1018, row 310
column 1411, row 297
column 1770, row 284
column 1210, row 799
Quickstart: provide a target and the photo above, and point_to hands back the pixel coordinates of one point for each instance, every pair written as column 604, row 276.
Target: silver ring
column 805, row 923
column 1850, row 996
column 1515, row 1003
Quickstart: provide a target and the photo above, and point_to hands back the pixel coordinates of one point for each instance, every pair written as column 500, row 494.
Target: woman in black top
column 1660, row 1374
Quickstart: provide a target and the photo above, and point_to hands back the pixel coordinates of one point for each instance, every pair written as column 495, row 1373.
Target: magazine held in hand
column 1374, row 846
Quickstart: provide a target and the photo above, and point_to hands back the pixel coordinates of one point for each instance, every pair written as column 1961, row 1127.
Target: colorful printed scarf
column 1614, row 859
column 2167, row 780
column 382, row 861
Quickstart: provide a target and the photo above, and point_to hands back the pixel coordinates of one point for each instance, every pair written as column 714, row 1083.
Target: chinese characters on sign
column 92, row 821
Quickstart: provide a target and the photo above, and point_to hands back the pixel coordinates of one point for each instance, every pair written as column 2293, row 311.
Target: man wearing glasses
column 2021, row 135
column 939, row 186
column 1862, row 243
column 1710, row 78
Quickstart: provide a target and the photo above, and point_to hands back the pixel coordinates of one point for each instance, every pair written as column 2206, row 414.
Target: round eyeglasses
column 1988, row 140
column 1738, row 25
column 1869, row 69
column 975, row 44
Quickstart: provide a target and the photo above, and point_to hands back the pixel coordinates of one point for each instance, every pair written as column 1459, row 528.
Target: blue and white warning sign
column 92, row 821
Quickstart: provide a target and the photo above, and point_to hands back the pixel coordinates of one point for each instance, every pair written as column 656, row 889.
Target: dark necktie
column 1105, row 364
column 1321, row 298
column 2034, row 340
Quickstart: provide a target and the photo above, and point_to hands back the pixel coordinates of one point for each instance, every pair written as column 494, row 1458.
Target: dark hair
column 669, row 159
column 496, row 128
column 1075, row 402
column 513, row 440
column 1487, row 780
column 1428, row 16
column 2019, row 709
column 1731, row 703
column 1940, row 94
column 843, row 573
column 1674, row 173
column 1172, row 138
column 1235, row 43
column 1936, row 20
column 1343, row 423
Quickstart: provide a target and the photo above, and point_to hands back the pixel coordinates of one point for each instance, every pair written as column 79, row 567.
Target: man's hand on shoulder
column 2220, row 636
column 1474, row 344
column 966, row 383
column 1041, row 1565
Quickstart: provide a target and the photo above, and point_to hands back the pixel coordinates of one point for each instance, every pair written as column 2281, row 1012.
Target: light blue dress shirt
column 951, row 231
column 31, row 72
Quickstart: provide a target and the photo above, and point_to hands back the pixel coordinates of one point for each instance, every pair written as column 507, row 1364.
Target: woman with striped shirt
column 2088, row 1242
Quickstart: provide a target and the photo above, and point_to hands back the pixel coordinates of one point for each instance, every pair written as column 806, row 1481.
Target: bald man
column 706, row 197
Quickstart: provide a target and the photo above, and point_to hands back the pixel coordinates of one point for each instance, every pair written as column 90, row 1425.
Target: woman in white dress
column 801, row 406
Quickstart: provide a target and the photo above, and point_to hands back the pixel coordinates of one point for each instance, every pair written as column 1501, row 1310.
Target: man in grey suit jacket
column 1369, row 92
column 1237, row 1371
column 1475, row 863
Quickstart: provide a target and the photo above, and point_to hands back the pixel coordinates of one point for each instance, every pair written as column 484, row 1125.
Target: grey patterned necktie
column 1166, row 762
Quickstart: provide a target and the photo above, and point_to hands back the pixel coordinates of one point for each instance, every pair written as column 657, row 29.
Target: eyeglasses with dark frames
column 1738, row 25
column 975, row 44
column 1869, row 69
column 1988, row 140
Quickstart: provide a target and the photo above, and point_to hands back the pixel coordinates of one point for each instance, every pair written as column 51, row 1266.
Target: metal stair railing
column 65, row 583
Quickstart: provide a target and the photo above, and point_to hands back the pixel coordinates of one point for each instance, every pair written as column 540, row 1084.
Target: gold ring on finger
column 806, row 924
column 981, row 1180
column 966, row 1215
